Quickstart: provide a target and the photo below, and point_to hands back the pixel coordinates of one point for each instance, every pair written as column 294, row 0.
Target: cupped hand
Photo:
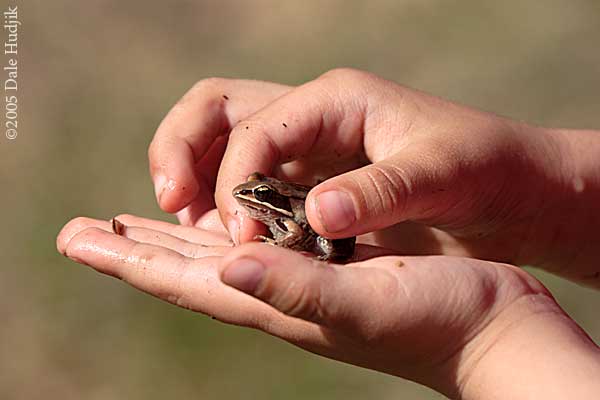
column 428, row 319
column 188, row 146
column 423, row 175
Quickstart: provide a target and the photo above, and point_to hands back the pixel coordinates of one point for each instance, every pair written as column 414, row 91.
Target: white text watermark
column 11, row 68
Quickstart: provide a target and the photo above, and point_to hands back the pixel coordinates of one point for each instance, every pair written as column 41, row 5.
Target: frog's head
column 264, row 198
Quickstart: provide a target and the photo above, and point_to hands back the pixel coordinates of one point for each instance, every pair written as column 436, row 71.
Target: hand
column 461, row 326
column 189, row 144
column 426, row 176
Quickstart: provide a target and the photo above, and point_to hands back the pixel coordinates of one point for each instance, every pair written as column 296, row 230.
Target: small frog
column 280, row 206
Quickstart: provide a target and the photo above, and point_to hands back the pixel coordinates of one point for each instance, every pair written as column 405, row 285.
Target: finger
column 185, row 135
column 183, row 247
column 143, row 235
column 211, row 221
column 163, row 273
column 210, row 232
column 205, row 173
column 192, row 284
column 339, row 297
column 419, row 183
column 190, row 234
column 319, row 117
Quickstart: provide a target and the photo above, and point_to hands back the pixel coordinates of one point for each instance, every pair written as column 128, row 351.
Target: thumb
column 327, row 294
column 417, row 184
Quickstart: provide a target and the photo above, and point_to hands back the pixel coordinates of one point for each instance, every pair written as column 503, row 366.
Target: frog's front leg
column 291, row 233
column 286, row 233
column 266, row 239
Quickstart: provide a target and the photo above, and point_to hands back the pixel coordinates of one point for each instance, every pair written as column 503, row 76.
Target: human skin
column 424, row 175
column 467, row 328
column 470, row 183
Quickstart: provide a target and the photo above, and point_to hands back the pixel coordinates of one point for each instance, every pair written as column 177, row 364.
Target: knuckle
column 340, row 83
column 137, row 262
column 298, row 301
column 207, row 92
column 208, row 84
column 252, row 133
column 181, row 293
column 243, row 128
column 344, row 74
column 249, row 125
column 300, row 297
column 384, row 190
column 142, row 254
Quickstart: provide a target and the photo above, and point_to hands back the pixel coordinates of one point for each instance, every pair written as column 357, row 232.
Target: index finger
column 324, row 116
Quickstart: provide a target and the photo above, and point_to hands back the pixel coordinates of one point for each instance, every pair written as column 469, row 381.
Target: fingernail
column 336, row 210
column 243, row 274
column 160, row 182
column 183, row 216
column 234, row 230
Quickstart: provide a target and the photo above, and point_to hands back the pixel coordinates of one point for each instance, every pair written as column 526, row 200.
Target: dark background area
column 96, row 78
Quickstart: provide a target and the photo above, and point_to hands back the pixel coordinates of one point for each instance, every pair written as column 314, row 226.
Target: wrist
column 530, row 350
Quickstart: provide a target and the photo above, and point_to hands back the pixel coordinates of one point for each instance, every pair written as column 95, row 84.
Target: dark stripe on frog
column 274, row 200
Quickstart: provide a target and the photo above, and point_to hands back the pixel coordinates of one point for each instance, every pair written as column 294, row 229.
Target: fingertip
column 233, row 226
column 69, row 230
column 244, row 274
column 240, row 226
column 288, row 281
column 245, row 265
column 331, row 212
column 62, row 240
column 173, row 170
column 160, row 184
column 83, row 242
column 174, row 194
column 312, row 213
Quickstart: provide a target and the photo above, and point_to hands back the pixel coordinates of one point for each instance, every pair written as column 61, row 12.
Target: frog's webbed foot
column 265, row 239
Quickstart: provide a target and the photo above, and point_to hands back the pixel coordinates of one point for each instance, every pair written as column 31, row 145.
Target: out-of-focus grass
column 95, row 80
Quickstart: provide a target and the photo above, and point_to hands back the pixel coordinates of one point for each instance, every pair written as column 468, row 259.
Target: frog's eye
column 263, row 193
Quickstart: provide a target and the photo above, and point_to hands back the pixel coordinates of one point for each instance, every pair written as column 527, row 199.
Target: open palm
column 407, row 316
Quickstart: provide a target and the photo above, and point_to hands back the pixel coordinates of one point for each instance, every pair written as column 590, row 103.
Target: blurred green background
column 96, row 78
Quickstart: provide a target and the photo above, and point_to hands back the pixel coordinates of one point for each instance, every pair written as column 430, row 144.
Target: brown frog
column 280, row 206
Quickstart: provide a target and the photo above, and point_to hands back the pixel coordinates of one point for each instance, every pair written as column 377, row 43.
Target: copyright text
column 11, row 68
